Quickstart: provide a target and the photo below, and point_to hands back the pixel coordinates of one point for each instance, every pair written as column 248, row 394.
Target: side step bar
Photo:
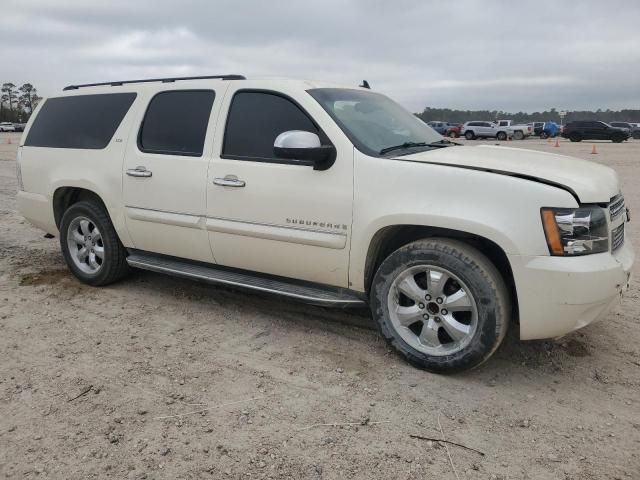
column 306, row 292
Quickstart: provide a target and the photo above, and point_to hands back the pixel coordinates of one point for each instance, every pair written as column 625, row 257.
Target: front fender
column 501, row 208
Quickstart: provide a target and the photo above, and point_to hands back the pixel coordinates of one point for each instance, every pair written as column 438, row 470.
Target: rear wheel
column 90, row 245
column 518, row 135
column 469, row 135
column 441, row 304
column 544, row 135
column 575, row 137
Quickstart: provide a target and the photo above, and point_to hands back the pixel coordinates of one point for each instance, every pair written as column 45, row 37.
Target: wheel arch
column 64, row 197
column 390, row 238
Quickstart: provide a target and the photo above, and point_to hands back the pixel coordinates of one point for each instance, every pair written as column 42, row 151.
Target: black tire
column 501, row 136
column 114, row 265
column 484, row 282
column 518, row 135
column 618, row 139
column 575, row 137
column 544, row 135
column 469, row 135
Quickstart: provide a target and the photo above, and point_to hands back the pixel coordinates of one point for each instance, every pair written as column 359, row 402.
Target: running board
column 306, row 292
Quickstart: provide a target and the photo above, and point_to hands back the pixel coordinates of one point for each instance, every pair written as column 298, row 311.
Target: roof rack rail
column 148, row 80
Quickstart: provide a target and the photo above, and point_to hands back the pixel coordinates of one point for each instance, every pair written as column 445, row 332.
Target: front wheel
column 441, row 304
column 501, row 136
column 90, row 245
column 618, row 139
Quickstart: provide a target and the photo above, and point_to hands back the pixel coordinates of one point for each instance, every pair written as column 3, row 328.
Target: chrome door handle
column 139, row 172
column 229, row 181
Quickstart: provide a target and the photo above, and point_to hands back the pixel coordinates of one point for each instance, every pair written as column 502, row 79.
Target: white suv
column 330, row 195
column 475, row 129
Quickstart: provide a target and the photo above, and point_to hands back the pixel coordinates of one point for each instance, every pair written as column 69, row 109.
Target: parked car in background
column 520, row 131
column 7, row 127
column 476, row 129
column 635, row 130
column 440, row 127
column 623, row 125
column 454, row 130
column 19, row 127
column 593, row 130
column 549, row 129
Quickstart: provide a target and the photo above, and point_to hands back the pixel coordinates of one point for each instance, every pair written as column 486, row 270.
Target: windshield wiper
column 443, row 143
column 439, row 144
column 403, row 145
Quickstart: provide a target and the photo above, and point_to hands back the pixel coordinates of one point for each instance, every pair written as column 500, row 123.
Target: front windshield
column 374, row 122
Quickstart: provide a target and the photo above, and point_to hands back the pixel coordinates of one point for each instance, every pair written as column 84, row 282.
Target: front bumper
column 557, row 295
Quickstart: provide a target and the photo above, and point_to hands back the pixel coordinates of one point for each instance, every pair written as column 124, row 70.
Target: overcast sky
column 510, row 55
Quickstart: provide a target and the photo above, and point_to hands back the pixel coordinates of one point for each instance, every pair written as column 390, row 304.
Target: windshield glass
column 372, row 121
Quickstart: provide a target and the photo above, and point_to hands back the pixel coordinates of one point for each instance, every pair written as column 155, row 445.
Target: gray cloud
column 462, row 54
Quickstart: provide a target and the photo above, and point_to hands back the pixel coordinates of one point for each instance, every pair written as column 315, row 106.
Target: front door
column 487, row 129
column 597, row 131
column 277, row 216
column 165, row 174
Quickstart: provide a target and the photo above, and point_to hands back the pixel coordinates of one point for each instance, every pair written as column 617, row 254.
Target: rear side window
column 79, row 121
column 176, row 122
column 256, row 119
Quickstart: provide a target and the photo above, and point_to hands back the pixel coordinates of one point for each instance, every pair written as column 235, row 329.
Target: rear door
column 271, row 215
column 165, row 173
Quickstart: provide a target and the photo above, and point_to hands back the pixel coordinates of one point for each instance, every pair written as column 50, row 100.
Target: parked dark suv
column 593, row 130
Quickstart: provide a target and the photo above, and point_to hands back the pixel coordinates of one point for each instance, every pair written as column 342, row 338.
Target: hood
column 589, row 181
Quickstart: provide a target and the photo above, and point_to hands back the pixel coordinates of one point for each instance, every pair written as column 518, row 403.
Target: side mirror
column 304, row 146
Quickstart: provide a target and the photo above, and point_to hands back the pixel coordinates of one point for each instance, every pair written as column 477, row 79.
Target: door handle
column 139, row 172
column 229, row 181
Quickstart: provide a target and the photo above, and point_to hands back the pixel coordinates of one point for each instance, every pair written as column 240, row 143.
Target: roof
column 229, row 77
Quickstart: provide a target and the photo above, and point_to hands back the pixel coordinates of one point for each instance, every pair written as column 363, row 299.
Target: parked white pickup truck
column 520, row 131
column 330, row 195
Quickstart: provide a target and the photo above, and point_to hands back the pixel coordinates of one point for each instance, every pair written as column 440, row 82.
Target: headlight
column 575, row 231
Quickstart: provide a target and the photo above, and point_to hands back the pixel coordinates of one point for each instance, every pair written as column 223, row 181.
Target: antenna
column 365, row 84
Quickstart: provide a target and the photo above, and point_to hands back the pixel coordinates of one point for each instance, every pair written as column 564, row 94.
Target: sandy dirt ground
column 157, row 377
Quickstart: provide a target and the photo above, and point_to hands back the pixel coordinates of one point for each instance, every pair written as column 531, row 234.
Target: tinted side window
column 256, row 119
column 176, row 122
column 79, row 121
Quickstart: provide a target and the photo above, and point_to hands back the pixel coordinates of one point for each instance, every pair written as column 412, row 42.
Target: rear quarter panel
column 44, row 170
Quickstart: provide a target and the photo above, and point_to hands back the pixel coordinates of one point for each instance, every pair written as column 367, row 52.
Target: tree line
column 461, row 116
column 17, row 103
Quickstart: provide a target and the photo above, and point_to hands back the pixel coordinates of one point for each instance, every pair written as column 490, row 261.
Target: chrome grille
column 616, row 206
column 617, row 237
